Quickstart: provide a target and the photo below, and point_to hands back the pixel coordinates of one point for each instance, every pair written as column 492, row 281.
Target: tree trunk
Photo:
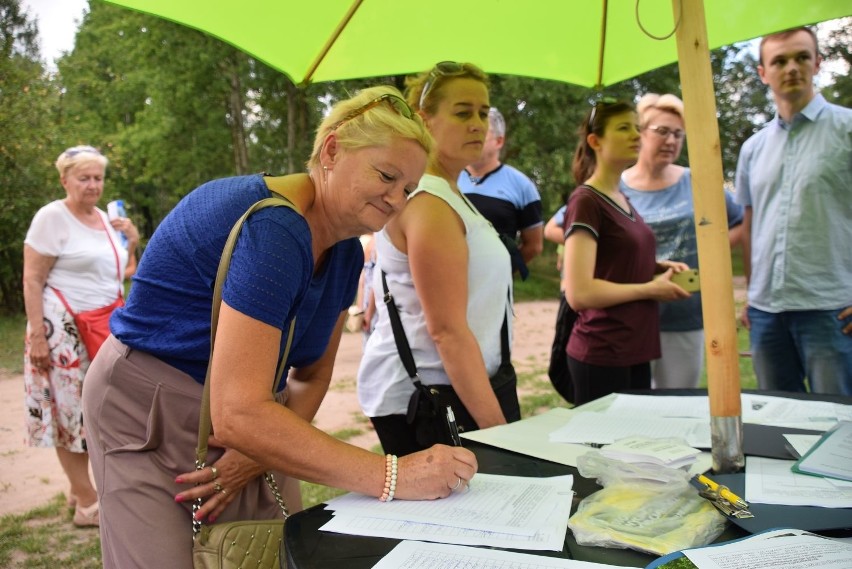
column 236, row 105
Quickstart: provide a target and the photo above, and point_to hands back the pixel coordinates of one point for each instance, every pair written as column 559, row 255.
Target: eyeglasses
column 664, row 132
column 397, row 103
column 72, row 152
column 599, row 103
column 442, row 69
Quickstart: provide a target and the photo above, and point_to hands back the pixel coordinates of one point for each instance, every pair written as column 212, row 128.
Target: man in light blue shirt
column 794, row 178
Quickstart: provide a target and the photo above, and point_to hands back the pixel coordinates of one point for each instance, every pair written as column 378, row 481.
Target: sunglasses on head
column 594, row 114
column 442, row 69
column 80, row 150
column 396, row 103
column 664, row 132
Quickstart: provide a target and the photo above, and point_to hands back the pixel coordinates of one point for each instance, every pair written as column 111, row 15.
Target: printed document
column 832, row 455
column 505, row 504
column 770, row 481
column 786, row 548
column 602, row 428
column 530, row 436
column 756, row 408
column 418, row 555
column 550, row 537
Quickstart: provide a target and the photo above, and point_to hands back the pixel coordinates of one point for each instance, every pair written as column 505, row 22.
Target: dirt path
column 31, row 477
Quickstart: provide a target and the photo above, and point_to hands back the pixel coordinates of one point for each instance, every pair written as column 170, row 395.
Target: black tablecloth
column 308, row 548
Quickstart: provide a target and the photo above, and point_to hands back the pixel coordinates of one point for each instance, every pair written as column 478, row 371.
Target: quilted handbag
column 230, row 545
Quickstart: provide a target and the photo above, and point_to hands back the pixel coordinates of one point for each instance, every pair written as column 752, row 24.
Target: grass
column 12, row 330
column 44, row 537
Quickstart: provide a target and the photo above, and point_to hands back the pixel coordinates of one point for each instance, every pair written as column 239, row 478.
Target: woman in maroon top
column 612, row 278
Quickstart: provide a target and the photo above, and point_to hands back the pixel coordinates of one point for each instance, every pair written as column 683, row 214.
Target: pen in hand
column 454, row 429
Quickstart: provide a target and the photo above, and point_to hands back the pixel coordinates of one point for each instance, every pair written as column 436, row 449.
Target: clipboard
column 808, row 464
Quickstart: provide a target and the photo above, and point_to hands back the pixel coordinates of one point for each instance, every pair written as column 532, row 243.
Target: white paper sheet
column 600, row 428
column 506, row 504
column 770, row 481
column 531, row 437
column 551, row 537
column 801, row 443
column 782, row 549
column 756, row 408
column 417, row 555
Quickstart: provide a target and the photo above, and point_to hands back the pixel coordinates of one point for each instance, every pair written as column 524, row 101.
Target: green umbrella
column 585, row 42
column 590, row 43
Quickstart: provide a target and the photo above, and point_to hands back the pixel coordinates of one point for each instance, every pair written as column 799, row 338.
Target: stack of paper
column 659, row 452
column 602, row 429
column 498, row 511
column 831, row 456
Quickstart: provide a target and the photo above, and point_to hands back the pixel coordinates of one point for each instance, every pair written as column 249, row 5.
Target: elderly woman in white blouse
column 73, row 259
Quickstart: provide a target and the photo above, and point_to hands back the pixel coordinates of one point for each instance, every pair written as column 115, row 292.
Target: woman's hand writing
column 434, row 472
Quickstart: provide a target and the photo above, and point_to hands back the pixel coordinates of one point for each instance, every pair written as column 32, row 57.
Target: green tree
column 28, row 100
column 836, row 48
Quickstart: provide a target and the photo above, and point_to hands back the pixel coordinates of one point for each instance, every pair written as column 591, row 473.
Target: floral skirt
column 54, row 402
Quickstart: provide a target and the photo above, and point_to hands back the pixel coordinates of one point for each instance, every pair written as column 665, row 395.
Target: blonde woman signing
column 143, row 392
column 449, row 274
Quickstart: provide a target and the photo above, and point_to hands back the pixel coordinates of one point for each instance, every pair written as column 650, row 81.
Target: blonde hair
column 415, row 84
column 377, row 126
column 667, row 103
column 79, row 156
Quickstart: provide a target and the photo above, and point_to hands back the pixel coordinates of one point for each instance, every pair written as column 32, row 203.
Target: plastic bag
column 643, row 507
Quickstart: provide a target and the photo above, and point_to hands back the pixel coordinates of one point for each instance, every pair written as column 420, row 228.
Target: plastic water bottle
column 115, row 209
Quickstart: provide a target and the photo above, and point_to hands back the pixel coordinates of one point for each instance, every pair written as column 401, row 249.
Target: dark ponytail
column 585, row 161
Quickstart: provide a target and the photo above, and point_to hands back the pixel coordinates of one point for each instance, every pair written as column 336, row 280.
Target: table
column 308, row 548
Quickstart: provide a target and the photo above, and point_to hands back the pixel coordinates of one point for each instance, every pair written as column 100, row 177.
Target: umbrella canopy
column 591, row 43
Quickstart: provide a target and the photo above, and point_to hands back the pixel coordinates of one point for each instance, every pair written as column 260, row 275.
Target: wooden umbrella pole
column 711, row 226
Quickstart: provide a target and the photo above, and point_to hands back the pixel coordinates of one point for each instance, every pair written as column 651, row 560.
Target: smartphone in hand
column 687, row 280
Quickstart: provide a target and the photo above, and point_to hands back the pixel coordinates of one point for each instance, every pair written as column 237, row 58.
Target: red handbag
column 93, row 325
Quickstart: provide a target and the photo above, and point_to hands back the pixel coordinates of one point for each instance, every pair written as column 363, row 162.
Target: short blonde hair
column 667, row 103
column 378, row 126
column 79, row 156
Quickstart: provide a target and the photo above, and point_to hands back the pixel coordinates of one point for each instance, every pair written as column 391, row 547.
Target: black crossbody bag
column 427, row 405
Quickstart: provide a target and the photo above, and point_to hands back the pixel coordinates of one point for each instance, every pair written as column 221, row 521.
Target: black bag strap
column 404, row 348
column 402, row 345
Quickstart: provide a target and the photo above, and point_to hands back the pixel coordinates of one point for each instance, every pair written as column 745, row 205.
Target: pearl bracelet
column 390, row 478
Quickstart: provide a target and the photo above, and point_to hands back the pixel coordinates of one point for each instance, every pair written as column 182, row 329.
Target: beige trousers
column 141, row 416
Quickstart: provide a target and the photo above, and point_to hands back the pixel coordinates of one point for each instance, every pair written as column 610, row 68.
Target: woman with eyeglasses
column 612, row 278
column 450, row 279
column 143, row 392
column 73, row 262
column 661, row 191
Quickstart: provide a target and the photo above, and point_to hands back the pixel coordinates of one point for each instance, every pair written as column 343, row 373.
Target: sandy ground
column 31, row 477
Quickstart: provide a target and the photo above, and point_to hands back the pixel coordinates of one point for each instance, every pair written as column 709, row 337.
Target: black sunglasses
column 396, row 103
column 593, row 115
column 442, row 69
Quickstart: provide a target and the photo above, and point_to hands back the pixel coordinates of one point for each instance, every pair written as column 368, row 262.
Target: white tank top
column 384, row 387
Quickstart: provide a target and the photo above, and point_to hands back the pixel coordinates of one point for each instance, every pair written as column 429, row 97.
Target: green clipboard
column 837, row 443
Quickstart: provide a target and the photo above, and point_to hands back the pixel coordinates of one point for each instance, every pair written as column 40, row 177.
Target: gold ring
column 218, row 488
column 215, row 472
column 223, row 492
